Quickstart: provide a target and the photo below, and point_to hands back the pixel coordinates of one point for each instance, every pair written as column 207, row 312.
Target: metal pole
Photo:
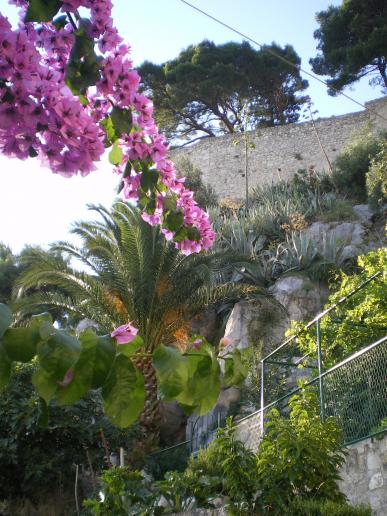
column 262, row 394
column 320, row 370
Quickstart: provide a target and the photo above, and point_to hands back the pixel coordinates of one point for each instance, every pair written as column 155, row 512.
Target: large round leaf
column 59, row 354
column 45, row 384
column 5, row 318
column 123, row 393
column 91, row 369
column 20, row 343
column 171, row 371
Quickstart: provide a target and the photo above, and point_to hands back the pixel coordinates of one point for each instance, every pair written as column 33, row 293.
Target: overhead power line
column 281, row 58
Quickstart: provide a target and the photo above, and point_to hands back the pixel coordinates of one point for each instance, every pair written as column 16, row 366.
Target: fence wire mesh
column 355, row 394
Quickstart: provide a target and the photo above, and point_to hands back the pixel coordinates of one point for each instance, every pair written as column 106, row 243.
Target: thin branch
column 191, row 141
column 74, row 25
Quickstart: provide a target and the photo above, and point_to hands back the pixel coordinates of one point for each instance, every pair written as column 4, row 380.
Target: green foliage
column 352, row 165
column 300, row 507
column 205, row 195
column 125, row 493
column 299, row 456
column 352, row 40
column 35, row 459
column 225, row 468
column 360, row 321
column 213, row 89
column 376, row 179
column 340, row 210
column 42, row 10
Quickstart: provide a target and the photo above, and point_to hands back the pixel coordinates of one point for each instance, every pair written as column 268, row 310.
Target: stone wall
column 278, row 151
column 364, row 475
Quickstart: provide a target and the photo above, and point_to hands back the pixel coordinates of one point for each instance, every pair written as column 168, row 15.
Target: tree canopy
column 352, row 40
column 214, row 89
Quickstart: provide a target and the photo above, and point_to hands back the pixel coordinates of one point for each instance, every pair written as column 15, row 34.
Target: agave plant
column 129, row 273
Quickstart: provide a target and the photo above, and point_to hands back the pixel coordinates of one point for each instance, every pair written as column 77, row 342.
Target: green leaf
column 91, row 369
column 45, row 384
column 122, row 120
column 43, row 324
column 83, row 68
column 5, row 367
column 169, row 204
column 174, row 220
column 59, row 354
column 235, row 371
column 193, row 233
column 123, row 393
column 171, row 371
column 107, row 125
column 5, row 318
column 42, row 10
column 132, row 347
column 149, row 180
column 20, row 343
column 180, row 235
column 203, row 386
column 115, row 155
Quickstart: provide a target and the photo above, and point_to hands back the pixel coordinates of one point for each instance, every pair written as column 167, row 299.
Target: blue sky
column 37, row 207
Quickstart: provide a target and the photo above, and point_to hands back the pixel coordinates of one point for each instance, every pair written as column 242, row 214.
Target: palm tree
column 132, row 274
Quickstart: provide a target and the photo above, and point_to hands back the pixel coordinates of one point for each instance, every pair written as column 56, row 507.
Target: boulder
column 348, row 233
column 301, row 297
column 364, row 214
column 252, row 322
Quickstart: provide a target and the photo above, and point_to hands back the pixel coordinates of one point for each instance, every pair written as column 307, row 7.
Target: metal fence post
column 262, row 394
column 320, row 370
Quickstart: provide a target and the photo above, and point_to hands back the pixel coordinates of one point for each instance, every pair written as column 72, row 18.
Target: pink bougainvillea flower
column 197, row 343
column 67, row 379
column 124, row 334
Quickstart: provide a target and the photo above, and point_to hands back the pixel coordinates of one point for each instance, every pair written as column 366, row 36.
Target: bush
column 35, row 459
column 225, row 468
column 360, row 321
column 351, row 166
column 299, row 456
column 124, row 493
column 339, row 210
column 377, row 178
column 325, row 508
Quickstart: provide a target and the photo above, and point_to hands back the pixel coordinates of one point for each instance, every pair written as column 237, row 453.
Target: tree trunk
column 150, row 416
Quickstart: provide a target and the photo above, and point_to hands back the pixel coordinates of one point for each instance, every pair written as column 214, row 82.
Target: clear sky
column 38, row 207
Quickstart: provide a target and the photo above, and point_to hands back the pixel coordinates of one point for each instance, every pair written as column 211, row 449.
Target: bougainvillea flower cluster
column 68, row 91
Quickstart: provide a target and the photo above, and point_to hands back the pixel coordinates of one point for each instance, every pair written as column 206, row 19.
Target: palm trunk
column 150, row 416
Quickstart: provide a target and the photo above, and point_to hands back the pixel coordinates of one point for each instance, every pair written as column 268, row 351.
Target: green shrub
column 325, row 508
column 360, row 321
column 124, row 493
column 377, row 178
column 225, row 468
column 351, row 166
column 339, row 210
column 36, row 459
column 299, row 456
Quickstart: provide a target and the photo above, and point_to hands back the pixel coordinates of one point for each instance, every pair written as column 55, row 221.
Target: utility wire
column 283, row 59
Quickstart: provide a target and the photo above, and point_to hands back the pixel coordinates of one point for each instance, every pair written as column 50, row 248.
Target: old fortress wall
column 277, row 152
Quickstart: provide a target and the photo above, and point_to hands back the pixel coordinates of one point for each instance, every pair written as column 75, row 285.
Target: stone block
column 376, row 481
